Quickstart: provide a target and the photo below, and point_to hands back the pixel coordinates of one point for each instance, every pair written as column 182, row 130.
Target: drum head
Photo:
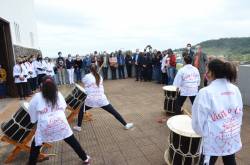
column 169, row 88
column 182, row 125
column 25, row 106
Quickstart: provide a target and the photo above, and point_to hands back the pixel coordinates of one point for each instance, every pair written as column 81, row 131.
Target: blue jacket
column 120, row 59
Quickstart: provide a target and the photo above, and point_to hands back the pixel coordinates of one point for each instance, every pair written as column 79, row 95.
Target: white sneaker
column 76, row 128
column 87, row 161
column 129, row 125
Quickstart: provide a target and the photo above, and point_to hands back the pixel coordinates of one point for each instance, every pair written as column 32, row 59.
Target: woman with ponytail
column 96, row 98
column 47, row 110
column 217, row 114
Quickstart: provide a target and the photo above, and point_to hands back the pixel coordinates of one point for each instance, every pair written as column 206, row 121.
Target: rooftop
column 104, row 138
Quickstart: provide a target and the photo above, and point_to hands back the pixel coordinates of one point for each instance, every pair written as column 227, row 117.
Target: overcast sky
column 82, row 26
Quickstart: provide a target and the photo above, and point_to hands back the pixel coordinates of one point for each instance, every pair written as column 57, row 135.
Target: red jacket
column 173, row 60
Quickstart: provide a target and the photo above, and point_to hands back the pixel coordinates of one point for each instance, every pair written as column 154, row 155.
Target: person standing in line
column 189, row 51
column 200, row 62
column 121, row 63
column 128, row 62
column 217, row 114
column 3, row 76
column 157, row 66
column 78, row 68
column 47, row 108
column 105, row 65
column 96, row 98
column 172, row 66
column 136, row 61
column 50, row 68
column 164, row 67
column 113, row 65
column 86, row 64
column 41, row 68
column 186, row 81
column 33, row 74
column 20, row 75
column 70, row 69
column 29, row 68
column 60, row 64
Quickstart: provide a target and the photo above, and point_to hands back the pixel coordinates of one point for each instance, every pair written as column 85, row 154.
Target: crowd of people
column 146, row 65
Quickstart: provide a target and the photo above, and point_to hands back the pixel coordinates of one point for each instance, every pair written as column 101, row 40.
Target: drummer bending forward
column 93, row 84
column 217, row 114
column 187, row 81
column 47, row 109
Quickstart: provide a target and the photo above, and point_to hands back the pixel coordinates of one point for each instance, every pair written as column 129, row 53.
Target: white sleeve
column 199, row 113
column 15, row 73
column 32, row 109
column 178, row 79
column 84, row 79
column 163, row 62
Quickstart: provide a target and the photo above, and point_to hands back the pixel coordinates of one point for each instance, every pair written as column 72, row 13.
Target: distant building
column 18, row 34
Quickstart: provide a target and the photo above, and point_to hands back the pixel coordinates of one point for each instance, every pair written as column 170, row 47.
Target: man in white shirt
column 187, row 81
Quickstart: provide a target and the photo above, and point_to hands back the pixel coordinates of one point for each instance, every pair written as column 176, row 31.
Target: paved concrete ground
column 104, row 138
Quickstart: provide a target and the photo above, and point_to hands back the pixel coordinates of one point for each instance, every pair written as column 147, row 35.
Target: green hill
column 231, row 48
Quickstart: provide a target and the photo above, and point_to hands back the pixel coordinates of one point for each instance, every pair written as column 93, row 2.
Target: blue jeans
column 171, row 75
column 157, row 73
column 78, row 75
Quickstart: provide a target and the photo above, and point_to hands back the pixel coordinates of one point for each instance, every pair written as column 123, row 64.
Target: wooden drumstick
column 188, row 113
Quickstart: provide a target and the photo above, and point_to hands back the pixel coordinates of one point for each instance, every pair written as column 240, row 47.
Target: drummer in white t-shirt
column 217, row 114
column 47, row 110
column 96, row 98
column 187, row 81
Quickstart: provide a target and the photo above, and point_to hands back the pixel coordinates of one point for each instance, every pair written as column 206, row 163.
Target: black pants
column 21, row 89
column 113, row 72
column 33, row 83
column 28, row 89
column 109, row 108
column 227, row 160
column 180, row 102
column 149, row 73
column 121, row 71
column 40, row 78
column 129, row 70
column 138, row 74
column 35, row 150
column 164, row 78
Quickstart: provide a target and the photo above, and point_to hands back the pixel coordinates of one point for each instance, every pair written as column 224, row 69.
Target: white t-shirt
column 95, row 95
column 217, row 117
column 187, row 80
column 50, row 69
column 52, row 124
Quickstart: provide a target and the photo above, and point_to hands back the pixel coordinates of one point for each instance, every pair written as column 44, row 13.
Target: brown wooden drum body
column 76, row 97
column 19, row 126
column 184, row 143
column 170, row 102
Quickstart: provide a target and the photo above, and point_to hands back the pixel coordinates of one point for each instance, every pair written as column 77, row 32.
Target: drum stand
column 74, row 112
column 23, row 146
